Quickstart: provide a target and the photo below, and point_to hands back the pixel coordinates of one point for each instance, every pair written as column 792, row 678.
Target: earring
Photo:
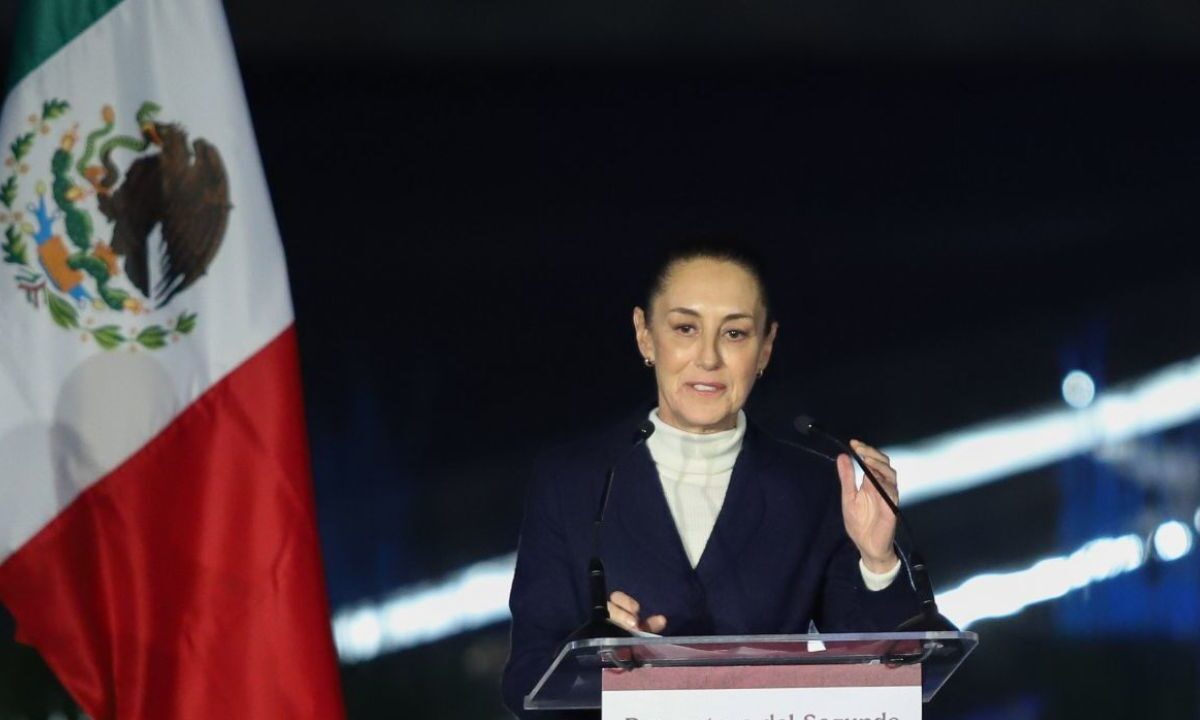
column 648, row 361
column 760, row 372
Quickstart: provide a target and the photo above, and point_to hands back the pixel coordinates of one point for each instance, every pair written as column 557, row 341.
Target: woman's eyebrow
column 731, row 316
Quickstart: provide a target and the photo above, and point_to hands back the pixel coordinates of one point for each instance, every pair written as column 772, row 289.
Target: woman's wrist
column 881, row 564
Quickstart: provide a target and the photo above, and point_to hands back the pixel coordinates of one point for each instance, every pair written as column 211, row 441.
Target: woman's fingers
column 623, row 610
column 864, row 451
column 887, row 478
column 621, row 616
column 624, row 601
column 655, row 624
column 881, row 467
column 845, row 470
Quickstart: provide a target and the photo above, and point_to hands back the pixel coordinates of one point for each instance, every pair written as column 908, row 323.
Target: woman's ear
column 764, row 355
column 641, row 333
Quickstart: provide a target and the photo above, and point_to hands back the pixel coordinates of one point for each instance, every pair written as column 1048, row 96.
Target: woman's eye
column 685, row 329
column 737, row 334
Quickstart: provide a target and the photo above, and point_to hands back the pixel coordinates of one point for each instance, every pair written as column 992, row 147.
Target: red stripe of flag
column 187, row 583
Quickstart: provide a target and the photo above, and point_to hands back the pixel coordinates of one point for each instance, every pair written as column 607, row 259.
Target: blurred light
column 470, row 598
column 1172, row 540
column 1196, row 520
column 360, row 632
column 973, row 456
column 476, row 596
column 994, row 595
column 1078, row 389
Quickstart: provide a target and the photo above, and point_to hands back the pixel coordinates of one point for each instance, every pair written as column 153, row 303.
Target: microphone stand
column 598, row 624
column 929, row 619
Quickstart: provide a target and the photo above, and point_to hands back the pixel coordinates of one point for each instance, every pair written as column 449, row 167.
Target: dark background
column 961, row 201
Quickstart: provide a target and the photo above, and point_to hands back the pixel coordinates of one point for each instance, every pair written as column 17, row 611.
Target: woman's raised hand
column 623, row 610
column 869, row 521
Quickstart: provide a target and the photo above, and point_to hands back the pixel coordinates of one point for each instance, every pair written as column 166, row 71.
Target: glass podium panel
column 573, row 680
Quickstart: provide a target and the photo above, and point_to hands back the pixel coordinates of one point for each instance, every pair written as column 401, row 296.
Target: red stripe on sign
column 187, row 584
column 750, row 677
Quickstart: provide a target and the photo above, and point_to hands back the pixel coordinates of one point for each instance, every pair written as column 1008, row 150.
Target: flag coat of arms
column 157, row 536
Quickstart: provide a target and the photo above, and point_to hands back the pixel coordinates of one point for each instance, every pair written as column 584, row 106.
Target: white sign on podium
column 782, row 692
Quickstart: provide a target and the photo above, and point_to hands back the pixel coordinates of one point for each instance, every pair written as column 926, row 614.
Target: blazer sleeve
column 846, row 604
column 543, row 597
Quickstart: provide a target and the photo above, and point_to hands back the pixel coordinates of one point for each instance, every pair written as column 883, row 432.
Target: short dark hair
column 722, row 248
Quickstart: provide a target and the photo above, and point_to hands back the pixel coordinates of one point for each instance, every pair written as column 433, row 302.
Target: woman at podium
column 712, row 527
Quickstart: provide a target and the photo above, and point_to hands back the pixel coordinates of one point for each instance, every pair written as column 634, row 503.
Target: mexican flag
column 157, row 537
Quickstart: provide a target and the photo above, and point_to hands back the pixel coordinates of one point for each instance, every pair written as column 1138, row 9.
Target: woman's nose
column 710, row 356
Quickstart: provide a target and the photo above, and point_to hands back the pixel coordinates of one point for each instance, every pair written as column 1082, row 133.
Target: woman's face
column 707, row 337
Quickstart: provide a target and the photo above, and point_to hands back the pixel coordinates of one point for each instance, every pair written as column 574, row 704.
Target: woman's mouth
column 706, row 389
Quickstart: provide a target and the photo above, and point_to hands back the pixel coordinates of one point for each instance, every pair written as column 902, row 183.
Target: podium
column 574, row 679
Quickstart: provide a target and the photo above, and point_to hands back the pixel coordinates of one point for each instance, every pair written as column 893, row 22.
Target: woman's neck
column 691, row 452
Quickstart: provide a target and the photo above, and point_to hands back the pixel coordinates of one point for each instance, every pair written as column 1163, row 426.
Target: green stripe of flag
column 44, row 26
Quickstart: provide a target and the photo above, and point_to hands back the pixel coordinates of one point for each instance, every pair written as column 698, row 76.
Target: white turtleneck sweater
column 694, row 470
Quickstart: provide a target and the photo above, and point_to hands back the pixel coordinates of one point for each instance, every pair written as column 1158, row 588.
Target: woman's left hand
column 869, row 521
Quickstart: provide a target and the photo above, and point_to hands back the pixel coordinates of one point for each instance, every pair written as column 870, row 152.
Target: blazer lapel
column 743, row 511
column 637, row 500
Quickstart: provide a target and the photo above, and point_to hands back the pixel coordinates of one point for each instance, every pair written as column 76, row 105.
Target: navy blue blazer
column 778, row 556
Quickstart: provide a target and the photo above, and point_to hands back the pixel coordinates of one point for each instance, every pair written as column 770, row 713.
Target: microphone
column 598, row 624
column 929, row 619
